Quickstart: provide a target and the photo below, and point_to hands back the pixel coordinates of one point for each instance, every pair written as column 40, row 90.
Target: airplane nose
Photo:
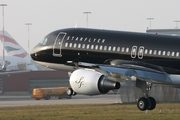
column 34, row 53
column 34, row 56
column 41, row 53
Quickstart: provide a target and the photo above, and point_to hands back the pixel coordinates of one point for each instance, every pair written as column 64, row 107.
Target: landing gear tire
column 74, row 93
column 152, row 103
column 142, row 104
column 69, row 92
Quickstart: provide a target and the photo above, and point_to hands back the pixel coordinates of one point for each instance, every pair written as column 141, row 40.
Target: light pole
column 87, row 16
column 150, row 21
column 28, row 36
column 177, row 23
column 3, row 62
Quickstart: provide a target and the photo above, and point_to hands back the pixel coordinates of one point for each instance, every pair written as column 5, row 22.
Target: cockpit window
column 44, row 41
column 49, row 39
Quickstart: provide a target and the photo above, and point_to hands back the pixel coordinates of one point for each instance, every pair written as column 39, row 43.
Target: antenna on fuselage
column 76, row 25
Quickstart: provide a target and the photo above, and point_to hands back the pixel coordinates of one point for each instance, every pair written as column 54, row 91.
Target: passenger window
column 109, row 48
column 159, row 52
column 177, row 54
column 150, row 51
column 168, row 53
column 172, row 54
column 146, row 51
column 114, row 48
column 66, row 45
column 70, row 45
column 118, row 49
column 164, row 52
column 127, row 49
column 96, row 47
column 79, row 45
column 87, row 46
column 105, row 47
column 92, row 46
column 83, row 46
column 155, row 52
column 101, row 47
column 122, row 50
column 74, row 45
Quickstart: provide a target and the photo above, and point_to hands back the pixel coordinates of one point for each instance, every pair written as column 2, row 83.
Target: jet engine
column 91, row 82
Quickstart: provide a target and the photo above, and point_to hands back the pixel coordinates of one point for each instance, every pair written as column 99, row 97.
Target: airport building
column 24, row 83
column 175, row 32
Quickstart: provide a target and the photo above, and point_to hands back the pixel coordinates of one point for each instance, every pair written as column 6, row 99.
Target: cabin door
column 58, row 44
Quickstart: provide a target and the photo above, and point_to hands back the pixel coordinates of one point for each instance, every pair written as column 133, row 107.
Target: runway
column 8, row 101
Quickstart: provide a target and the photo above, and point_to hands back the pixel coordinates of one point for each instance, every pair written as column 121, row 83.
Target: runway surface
column 10, row 100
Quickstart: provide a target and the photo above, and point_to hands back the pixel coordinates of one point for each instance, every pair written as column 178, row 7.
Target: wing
column 145, row 73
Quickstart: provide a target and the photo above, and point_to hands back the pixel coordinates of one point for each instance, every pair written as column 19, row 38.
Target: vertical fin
column 12, row 47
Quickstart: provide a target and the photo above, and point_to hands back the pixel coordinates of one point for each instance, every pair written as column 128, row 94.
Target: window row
column 159, row 52
column 141, row 50
column 97, row 47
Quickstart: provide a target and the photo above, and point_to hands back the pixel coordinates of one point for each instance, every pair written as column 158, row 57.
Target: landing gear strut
column 145, row 103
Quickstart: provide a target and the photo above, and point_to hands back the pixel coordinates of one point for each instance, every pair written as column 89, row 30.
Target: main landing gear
column 145, row 103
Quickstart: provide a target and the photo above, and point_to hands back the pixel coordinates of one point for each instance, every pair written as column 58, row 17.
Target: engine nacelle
column 91, row 82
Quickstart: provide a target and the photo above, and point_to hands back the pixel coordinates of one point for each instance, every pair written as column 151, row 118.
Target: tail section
column 12, row 47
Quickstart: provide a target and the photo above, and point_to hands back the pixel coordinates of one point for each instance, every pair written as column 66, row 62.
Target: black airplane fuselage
column 103, row 46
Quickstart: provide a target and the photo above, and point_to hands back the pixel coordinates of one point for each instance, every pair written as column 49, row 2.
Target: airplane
column 97, row 59
column 18, row 59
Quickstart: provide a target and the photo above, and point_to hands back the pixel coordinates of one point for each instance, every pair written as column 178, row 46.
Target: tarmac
column 26, row 100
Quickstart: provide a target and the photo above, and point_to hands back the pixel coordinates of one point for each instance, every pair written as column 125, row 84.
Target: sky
column 49, row 15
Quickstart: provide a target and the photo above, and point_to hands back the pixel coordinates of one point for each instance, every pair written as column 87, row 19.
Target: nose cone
column 41, row 53
column 34, row 52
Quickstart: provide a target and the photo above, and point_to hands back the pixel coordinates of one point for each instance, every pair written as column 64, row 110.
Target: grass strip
column 166, row 111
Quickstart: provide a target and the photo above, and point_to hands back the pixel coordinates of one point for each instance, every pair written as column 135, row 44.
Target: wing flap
column 143, row 73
